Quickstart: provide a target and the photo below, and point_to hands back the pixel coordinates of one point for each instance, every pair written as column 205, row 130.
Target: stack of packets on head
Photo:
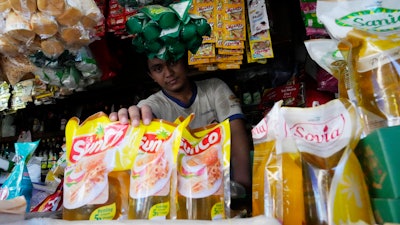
column 160, row 171
column 305, row 170
column 224, row 48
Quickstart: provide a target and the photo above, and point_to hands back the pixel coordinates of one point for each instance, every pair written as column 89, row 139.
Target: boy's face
column 170, row 75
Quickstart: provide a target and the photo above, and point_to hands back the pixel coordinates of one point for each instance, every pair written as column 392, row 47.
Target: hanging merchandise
column 46, row 32
column 259, row 46
column 167, row 32
column 367, row 35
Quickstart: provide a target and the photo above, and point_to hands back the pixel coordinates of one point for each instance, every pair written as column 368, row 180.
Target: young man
column 210, row 100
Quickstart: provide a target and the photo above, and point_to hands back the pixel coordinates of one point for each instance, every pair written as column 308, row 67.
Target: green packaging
column 386, row 210
column 379, row 156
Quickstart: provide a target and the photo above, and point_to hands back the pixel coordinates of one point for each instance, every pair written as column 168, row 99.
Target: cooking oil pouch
column 153, row 173
column 96, row 179
column 335, row 191
column 203, row 173
column 367, row 35
column 277, row 172
column 18, row 182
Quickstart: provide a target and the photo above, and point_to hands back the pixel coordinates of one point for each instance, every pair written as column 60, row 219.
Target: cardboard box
column 386, row 210
column 379, row 155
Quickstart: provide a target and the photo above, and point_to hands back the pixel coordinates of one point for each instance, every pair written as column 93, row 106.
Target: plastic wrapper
column 366, row 34
column 163, row 31
column 277, row 171
column 43, row 25
column 96, row 179
column 51, row 203
column 153, row 177
column 51, row 7
column 203, row 173
column 15, row 68
column 334, row 187
column 18, row 183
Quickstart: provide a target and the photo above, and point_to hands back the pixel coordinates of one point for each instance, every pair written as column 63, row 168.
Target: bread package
column 75, row 36
column 16, row 67
column 51, row 7
column 52, row 47
column 4, row 5
column 72, row 14
column 9, row 46
column 23, row 7
column 91, row 14
column 19, row 28
column 44, row 25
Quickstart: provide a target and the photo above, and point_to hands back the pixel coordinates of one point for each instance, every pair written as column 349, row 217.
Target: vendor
column 210, row 100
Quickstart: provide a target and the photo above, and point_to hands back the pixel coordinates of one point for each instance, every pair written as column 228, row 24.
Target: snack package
column 367, row 35
column 153, row 173
column 203, row 173
column 335, row 191
column 52, row 202
column 96, row 179
column 18, row 183
column 277, row 171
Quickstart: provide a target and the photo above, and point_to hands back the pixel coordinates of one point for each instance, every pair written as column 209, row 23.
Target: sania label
column 376, row 20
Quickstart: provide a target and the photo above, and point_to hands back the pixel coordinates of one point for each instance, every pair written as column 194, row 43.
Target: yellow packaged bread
column 19, row 28
column 51, row 7
column 25, row 7
column 44, row 25
column 52, row 47
column 72, row 13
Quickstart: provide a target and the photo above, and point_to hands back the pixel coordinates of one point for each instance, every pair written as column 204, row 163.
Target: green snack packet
column 170, row 35
column 188, row 32
column 138, row 42
column 134, row 24
column 164, row 16
column 151, row 31
column 181, row 9
column 194, row 44
column 153, row 46
column 203, row 28
column 176, row 50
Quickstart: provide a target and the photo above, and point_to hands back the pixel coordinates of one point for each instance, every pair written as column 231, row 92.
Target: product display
column 313, row 87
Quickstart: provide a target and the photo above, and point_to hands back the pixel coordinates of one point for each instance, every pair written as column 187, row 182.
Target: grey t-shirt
column 212, row 101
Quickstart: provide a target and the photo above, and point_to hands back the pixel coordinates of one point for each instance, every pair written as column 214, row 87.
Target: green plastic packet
column 182, row 10
column 164, row 16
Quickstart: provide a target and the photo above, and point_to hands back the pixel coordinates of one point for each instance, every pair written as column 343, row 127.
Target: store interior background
column 130, row 84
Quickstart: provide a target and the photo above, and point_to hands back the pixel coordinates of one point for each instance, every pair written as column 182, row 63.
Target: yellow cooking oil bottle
column 96, row 179
column 203, row 165
column 153, row 172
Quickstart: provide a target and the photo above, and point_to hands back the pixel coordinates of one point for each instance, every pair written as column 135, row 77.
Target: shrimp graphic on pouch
column 207, row 169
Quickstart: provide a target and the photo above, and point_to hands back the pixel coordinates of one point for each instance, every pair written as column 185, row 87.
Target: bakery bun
column 25, row 7
column 44, row 25
column 51, row 7
column 19, row 28
column 72, row 13
column 52, row 47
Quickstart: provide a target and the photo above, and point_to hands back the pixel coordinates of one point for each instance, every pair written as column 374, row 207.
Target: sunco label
column 214, row 137
column 104, row 139
column 150, row 143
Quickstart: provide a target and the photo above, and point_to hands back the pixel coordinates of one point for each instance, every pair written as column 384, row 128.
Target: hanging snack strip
column 167, row 32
